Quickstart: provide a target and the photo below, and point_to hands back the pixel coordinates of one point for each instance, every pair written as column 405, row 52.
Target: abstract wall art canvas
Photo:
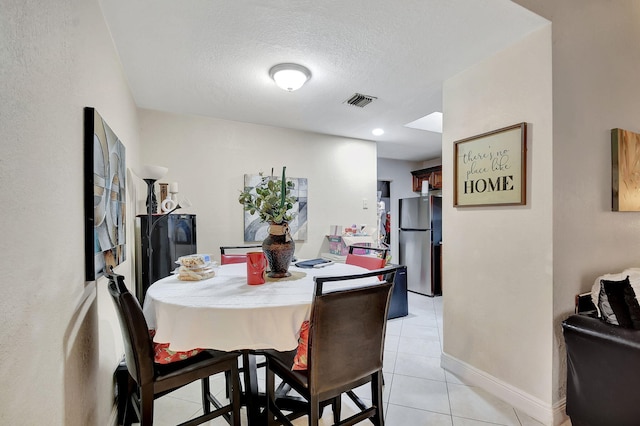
column 256, row 230
column 625, row 170
column 105, row 196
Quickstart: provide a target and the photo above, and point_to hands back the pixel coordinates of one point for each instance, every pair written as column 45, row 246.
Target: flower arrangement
column 271, row 199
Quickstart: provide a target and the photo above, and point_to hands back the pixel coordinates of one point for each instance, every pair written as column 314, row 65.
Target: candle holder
column 150, row 174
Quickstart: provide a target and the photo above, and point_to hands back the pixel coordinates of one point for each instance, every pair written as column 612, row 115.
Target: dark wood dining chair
column 345, row 349
column 151, row 380
column 227, row 258
column 368, row 262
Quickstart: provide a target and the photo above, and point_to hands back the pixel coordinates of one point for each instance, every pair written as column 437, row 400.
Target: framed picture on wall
column 256, row 230
column 490, row 169
column 105, row 197
column 625, row 171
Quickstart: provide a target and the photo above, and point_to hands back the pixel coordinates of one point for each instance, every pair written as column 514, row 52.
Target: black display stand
column 172, row 236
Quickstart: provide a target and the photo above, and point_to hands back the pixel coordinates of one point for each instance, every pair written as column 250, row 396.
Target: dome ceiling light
column 289, row 77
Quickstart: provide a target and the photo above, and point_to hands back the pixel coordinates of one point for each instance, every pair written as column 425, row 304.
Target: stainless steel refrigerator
column 420, row 236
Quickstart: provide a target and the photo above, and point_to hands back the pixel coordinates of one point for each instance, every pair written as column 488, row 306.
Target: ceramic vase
column 278, row 248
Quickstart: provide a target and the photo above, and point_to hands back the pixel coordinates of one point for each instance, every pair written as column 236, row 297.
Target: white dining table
column 225, row 313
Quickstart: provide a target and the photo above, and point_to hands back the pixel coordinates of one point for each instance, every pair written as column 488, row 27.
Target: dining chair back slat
column 346, row 343
column 153, row 380
column 138, row 346
column 228, row 258
column 366, row 261
column 345, row 349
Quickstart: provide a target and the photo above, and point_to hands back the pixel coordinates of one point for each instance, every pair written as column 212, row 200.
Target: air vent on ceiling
column 360, row 100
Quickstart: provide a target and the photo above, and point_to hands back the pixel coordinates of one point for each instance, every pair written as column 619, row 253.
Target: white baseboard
column 550, row 415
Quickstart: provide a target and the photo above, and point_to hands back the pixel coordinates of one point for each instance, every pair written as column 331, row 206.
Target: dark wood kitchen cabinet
column 433, row 175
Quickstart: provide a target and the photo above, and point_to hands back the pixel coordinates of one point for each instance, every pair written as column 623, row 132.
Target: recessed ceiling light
column 289, row 77
column 377, row 132
column 431, row 123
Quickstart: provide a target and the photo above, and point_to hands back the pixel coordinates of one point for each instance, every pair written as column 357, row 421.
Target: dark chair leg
column 235, row 392
column 206, row 390
column 146, row 405
column 376, row 398
column 270, row 390
column 314, row 412
column 336, row 406
column 227, row 377
column 129, row 415
column 122, row 385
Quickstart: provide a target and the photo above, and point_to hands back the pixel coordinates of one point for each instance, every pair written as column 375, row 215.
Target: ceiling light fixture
column 289, row 77
column 377, row 132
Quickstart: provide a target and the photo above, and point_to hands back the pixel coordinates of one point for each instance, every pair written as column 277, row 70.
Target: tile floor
column 417, row 390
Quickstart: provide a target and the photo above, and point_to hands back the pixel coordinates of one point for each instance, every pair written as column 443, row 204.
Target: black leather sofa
column 603, row 371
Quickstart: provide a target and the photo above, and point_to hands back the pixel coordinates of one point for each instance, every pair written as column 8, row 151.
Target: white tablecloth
column 226, row 313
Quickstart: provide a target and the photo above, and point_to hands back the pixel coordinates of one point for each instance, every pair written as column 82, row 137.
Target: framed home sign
column 490, row 169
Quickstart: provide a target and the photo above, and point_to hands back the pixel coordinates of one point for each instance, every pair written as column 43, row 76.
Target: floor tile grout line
column 421, row 409
column 517, row 416
column 386, row 410
column 420, row 378
column 449, row 399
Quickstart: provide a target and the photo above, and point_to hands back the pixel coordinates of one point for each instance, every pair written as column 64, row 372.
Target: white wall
column 398, row 172
column 595, row 79
column 60, row 344
column 209, row 157
column 497, row 261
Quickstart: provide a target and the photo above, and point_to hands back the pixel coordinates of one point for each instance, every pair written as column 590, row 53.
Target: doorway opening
column 384, row 212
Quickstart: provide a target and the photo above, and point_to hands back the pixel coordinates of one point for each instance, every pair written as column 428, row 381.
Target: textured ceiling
column 212, row 58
